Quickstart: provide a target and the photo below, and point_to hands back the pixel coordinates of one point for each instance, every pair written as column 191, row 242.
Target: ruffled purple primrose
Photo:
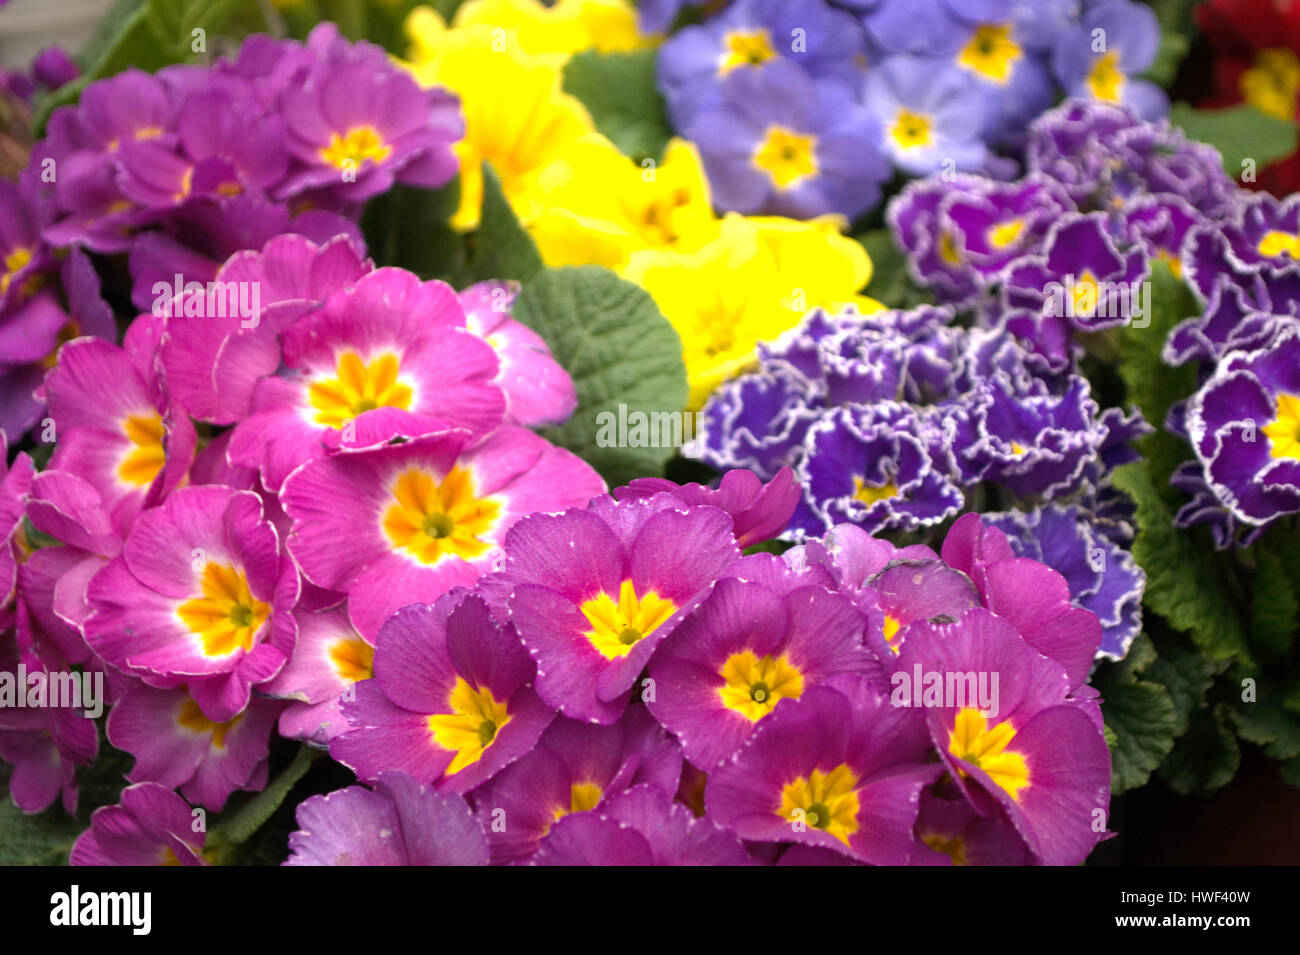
column 1255, row 247
column 758, row 511
column 1033, row 442
column 1102, row 154
column 398, row 822
column 594, row 592
column 149, row 825
column 1080, row 280
column 424, row 516
column 452, row 701
column 574, row 768
column 640, row 827
column 777, row 142
column 882, row 466
column 1102, row 576
column 747, row 37
column 1035, row 754
column 959, row 235
column 200, row 596
column 1244, row 425
column 839, row 768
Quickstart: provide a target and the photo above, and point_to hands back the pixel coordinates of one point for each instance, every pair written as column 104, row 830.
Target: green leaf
column 1152, row 386
column 1275, row 604
column 1186, row 674
column 174, row 21
column 407, row 227
column 610, row 336
column 1240, row 133
column 1183, row 582
column 1267, row 724
column 45, row 838
column 1206, row 757
column 500, row 248
column 1140, row 716
column 238, row 826
column 891, row 285
column 620, row 92
column 1291, row 771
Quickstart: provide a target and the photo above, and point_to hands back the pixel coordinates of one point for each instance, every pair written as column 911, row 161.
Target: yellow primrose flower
column 599, row 206
column 754, row 281
column 517, row 117
column 530, row 26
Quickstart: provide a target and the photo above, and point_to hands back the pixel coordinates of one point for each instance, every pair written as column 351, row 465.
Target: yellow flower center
column 1272, row 85
column 746, row 48
column 468, row 730
column 227, row 616
column 192, row 718
column 948, row 250
column 787, row 156
column 891, row 627
column 616, row 627
column 826, row 801
column 67, row 333
column 1277, row 243
column 1087, row 293
column 582, row 798
column 358, row 387
column 1106, row 79
column 991, row 52
column 17, row 260
column 974, row 742
column 954, row 847
column 431, row 519
column 911, row 130
column 146, row 456
column 353, row 659
column 1004, row 233
column 869, row 494
column 754, row 686
column 354, row 147
column 1284, row 431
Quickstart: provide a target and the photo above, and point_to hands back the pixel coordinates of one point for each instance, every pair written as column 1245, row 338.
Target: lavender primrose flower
column 778, row 142
column 150, row 825
column 932, row 113
column 1113, row 42
column 826, row 43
